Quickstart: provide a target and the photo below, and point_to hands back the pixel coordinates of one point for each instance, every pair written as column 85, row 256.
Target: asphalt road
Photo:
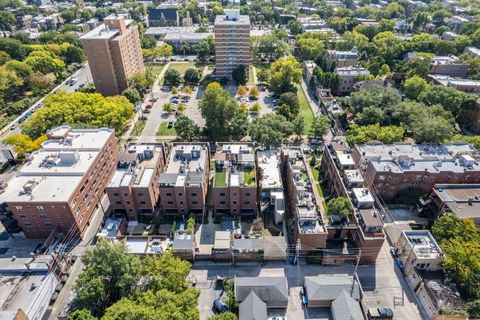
column 84, row 77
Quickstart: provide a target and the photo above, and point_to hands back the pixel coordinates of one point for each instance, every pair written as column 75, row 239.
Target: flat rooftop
column 269, row 164
column 102, row 32
column 235, row 166
column 194, row 36
column 423, row 244
column 138, row 172
column 405, row 157
column 461, row 199
column 186, row 165
column 232, row 17
column 449, row 81
column 352, row 71
column 54, row 172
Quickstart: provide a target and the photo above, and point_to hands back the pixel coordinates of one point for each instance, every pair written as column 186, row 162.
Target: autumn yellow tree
column 23, row 144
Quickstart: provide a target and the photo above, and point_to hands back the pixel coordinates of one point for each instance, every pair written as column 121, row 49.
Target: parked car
column 13, row 127
column 146, row 110
column 219, row 306
column 380, row 314
column 170, row 124
column 148, row 106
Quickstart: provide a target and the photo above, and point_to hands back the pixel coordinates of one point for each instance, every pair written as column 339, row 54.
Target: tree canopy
column 285, row 73
column 270, row 130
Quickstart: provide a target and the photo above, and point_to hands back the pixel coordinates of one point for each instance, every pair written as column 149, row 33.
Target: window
column 194, row 194
column 128, row 202
column 222, row 194
column 140, row 194
column 126, row 194
column 234, row 202
column 23, row 216
column 118, row 202
column 180, row 194
column 44, row 216
column 143, row 202
column 181, row 202
column 234, row 194
column 222, row 202
column 170, row 202
column 247, row 202
column 247, row 194
column 77, row 211
column 194, row 202
column 116, row 194
column 74, row 203
column 168, row 194
column 28, row 224
column 39, row 208
column 18, row 207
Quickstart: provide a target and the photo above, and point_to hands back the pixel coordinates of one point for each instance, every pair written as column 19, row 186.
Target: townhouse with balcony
column 392, row 169
column 270, row 184
column 308, row 226
column 184, row 183
column 133, row 190
column 364, row 228
column 235, row 181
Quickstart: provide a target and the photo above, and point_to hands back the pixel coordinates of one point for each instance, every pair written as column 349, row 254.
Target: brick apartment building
column 449, row 65
column 232, row 42
column 184, row 184
column 133, row 189
column 308, row 225
column 114, row 54
column 235, row 182
column 60, row 184
column 391, row 169
column 364, row 228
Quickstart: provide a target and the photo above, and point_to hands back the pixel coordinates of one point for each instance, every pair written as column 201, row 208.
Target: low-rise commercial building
column 234, row 189
column 271, row 187
column 184, row 184
column 133, row 189
column 391, row 169
column 60, row 185
column 309, row 228
column 177, row 37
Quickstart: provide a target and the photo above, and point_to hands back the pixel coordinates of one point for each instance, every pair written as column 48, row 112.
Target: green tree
column 310, row 49
column 223, row 116
column 140, row 81
column 295, row 27
column 110, row 274
column 414, row 86
column 320, row 126
column 387, row 134
column 289, row 105
column 186, row 129
column 7, row 20
column 45, row 62
column 14, row 48
column 172, row 77
column 285, row 73
column 132, row 95
column 240, row 75
column 450, row 226
column 340, row 206
column 79, row 108
column 74, row 54
column 374, row 105
column 4, row 57
column 450, row 98
column 419, row 65
column 299, row 125
column 81, row 314
column 191, row 76
column 205, row 49
column 270, row 130
column 23, row 144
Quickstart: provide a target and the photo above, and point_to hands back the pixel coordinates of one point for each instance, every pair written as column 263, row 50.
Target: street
column 84, row 77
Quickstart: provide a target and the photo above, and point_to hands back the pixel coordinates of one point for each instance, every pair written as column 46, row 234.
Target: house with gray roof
column 271, row 290
column 252, row 308
column 344, row 307
column 323, row 289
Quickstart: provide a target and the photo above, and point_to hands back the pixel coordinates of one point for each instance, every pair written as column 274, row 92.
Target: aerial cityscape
column 239, row 160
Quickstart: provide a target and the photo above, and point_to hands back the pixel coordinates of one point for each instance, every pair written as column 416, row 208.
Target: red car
column 148, row 106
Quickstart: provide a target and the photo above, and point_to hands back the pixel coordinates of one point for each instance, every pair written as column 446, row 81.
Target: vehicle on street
column 13, row 127
column 219, row 306
column 170, row 124
column 277, row 318
column 146, row 110
column 148, row 106
column 380, row 314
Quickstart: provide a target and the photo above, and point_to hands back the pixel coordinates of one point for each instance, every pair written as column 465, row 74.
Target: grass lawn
column 316, row 174
column 138, row 128
column 305, row 110
column 181, row 67
column 220, row 178
column 324, row 203
column 250, row 76
column 249, row 177
column 155, row 68
column 164, row 131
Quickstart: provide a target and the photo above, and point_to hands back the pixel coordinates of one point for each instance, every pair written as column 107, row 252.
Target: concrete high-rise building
column 232, row 42
column 114, row 54
column 60, row 185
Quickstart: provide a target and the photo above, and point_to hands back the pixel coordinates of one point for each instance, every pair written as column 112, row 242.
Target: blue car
column 219, row 306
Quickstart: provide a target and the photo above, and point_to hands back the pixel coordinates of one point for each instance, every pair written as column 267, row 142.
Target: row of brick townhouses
column 364, row 228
